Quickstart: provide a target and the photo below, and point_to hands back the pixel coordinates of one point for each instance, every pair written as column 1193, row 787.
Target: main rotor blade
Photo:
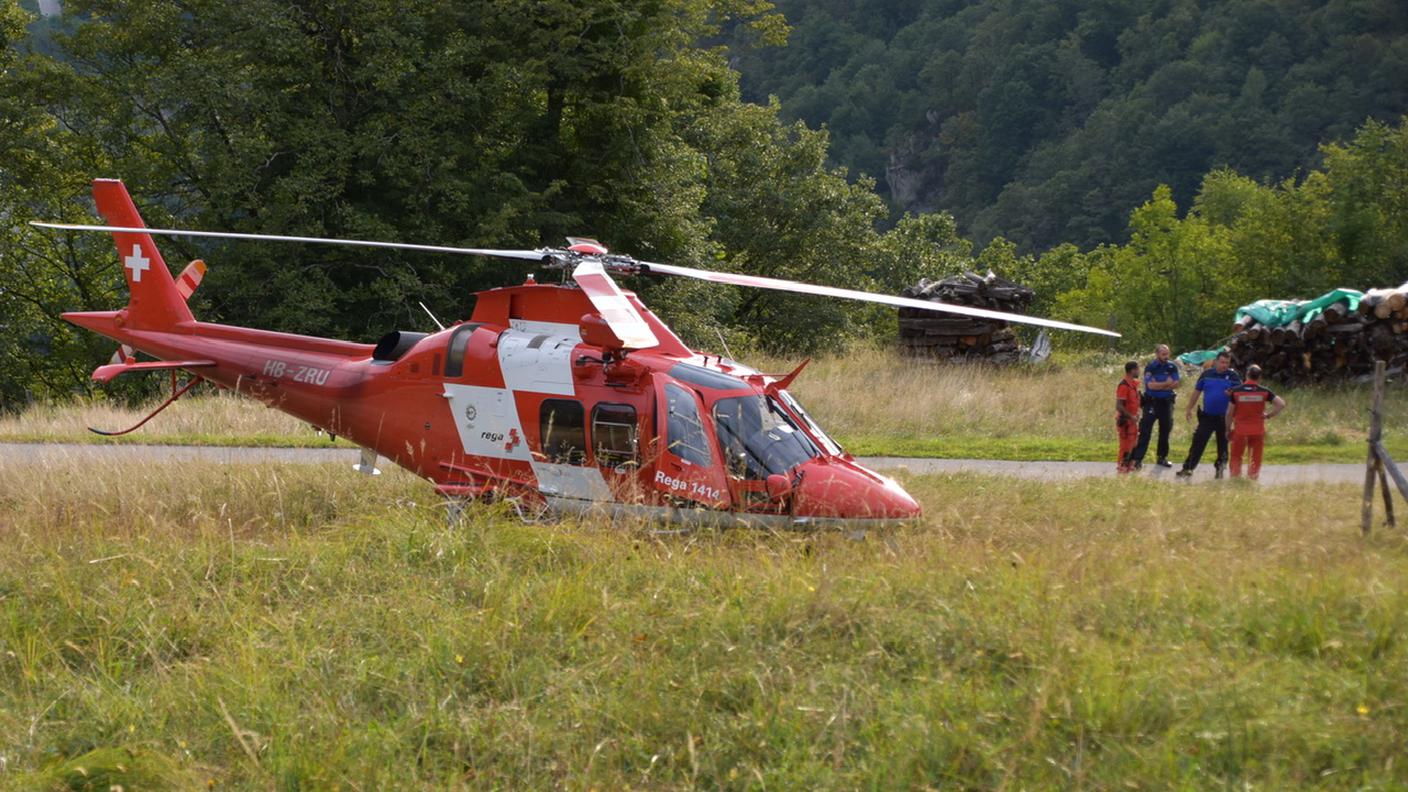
column 608, row 299
column 529, row 255
column 797, row 287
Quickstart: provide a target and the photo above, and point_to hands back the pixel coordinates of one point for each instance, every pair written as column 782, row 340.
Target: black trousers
column 1208, row 425
column 1160, row 410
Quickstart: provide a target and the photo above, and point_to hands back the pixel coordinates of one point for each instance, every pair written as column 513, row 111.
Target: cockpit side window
column 684, row 431
column 459, row 343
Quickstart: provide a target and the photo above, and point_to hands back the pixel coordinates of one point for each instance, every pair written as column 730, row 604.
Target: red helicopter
column 564, row 398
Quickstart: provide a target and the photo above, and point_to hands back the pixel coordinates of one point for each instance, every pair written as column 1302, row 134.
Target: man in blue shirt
column 1212, row 416
column 1160, row 390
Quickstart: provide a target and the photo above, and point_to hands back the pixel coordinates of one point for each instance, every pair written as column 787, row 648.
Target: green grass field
column 873, row 402
column 299, row 627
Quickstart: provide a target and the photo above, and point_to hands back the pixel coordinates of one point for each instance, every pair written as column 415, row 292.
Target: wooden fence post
column 1373, row 465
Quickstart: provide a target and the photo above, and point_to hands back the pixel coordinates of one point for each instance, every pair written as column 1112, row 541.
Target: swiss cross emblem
column 513, row 440
column 137, row 263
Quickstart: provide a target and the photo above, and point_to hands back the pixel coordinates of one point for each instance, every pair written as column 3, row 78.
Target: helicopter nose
column 833, row 488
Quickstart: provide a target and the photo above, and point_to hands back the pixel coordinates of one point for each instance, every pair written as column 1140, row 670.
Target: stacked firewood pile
column 1339, row 343
column 950, row 336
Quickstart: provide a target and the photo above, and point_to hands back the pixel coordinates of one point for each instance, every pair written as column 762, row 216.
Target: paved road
column 40, row 453
column 1270, row 474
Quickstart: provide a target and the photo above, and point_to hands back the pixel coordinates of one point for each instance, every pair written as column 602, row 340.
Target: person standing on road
column 1249, row 413
column 1160, row 391
column 1212, row 387
column 1127, row 415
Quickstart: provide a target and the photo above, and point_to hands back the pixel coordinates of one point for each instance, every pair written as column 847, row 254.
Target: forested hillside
column 1044, row 121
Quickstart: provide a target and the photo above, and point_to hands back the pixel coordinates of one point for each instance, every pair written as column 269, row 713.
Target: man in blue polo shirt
column 1160, row 390
column 1212, row 416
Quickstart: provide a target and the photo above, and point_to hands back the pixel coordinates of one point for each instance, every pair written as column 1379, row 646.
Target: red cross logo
column 513, row 440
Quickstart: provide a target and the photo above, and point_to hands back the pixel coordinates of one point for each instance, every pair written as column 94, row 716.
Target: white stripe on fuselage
column 487, row 420
column 538, row 362
column 563, row 329
column 584, row 482
column 534, row 357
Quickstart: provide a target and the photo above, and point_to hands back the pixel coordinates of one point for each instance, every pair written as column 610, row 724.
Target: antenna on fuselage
column 724, row 343
column 437, row 322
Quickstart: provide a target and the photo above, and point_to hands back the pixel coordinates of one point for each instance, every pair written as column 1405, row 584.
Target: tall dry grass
column 303, row 627
column 876, row 392
column 209, row 416
column 866, row 395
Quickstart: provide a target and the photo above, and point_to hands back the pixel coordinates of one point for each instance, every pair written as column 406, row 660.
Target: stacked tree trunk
column 1337, row 344
column 947, row 336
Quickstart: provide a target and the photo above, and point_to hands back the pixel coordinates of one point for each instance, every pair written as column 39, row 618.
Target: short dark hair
column 1132, row 365
column 1225, row 354
column 1254, row 372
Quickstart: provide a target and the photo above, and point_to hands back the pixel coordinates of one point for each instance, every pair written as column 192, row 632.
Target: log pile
column 1337, row 344
column 949, row 336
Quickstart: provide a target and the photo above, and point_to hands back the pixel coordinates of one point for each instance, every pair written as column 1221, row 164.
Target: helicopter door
column 686, row 468
column 615, row 440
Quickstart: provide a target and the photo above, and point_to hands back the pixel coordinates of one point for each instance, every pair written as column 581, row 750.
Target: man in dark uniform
column 1160, row 385
column 1212, row 416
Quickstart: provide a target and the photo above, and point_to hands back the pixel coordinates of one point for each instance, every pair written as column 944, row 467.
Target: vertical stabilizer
column 155, row 302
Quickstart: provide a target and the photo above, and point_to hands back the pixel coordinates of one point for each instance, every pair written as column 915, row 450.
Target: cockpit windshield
column 758, row 438
column 830, row 445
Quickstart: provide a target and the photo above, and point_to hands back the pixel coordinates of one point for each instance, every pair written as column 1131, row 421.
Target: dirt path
column 42, row 453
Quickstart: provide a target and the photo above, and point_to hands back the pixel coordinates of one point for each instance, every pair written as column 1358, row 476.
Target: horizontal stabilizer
column 114, row 370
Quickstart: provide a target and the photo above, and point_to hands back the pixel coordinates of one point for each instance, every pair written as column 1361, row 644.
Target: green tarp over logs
column 1277, row 313
column 1199, row 357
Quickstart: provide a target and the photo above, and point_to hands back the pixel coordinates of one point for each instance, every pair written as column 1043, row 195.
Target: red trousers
column 1240, row 443
column 1128, row 432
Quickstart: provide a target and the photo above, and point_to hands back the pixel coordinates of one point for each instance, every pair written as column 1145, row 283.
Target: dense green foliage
column 503, row 123
column 41, row 169
column 1043, row 121
column 1180, row 279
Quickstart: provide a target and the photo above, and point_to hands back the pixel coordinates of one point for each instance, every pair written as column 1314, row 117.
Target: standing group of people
column 1232, row 410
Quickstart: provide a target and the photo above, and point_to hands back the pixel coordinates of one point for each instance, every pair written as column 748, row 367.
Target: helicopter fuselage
column 514, row 403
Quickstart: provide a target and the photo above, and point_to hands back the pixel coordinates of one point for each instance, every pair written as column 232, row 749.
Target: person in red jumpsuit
column 1250, row 403
column 1127, row 415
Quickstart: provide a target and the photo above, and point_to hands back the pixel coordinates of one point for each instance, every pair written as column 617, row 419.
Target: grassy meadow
column 185, row 626
column 874, row 402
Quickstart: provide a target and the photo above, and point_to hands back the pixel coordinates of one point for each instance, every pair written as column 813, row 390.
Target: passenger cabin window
column 459, row 343
column 562, row 426
column 684, row 432
column 615, row 439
